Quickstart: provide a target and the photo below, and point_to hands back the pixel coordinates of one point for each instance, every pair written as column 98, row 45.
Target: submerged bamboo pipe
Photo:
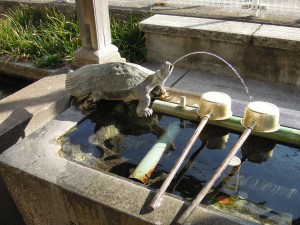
column 146, row 167
column 284, row 134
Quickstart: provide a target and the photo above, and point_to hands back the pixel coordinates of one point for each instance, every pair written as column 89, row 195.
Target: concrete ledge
column 224, row 30
column 213, row 29
column 262, row 52
column 27, row 70
column 277, row 37
column 21, row 114
column 31, row 108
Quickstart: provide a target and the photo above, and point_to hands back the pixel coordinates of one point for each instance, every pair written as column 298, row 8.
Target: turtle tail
column 77, row 85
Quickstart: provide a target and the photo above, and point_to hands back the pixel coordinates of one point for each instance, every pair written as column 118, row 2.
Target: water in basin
column 263, row 189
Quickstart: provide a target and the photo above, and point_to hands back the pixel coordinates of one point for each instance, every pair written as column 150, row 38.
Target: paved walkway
column 239, row 13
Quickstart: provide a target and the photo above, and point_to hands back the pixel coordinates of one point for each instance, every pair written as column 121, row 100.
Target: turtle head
column 165, row 70
column 160, row 76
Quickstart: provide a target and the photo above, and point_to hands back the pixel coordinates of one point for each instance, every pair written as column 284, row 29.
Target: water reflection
column 212, row 137
column 264, row 187
column 99, row 141
column 258, row 150
column 255, row 150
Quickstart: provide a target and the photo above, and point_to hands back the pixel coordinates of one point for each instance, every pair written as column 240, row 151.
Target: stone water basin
column 263, row 189
column 49, row 189
column 88, row 184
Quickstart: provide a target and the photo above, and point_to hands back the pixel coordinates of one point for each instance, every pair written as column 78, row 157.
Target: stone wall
column 262, row 52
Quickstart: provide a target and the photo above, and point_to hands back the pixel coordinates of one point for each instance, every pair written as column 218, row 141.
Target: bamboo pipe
column 146, row 167
column 283, row 134
column 215, row 176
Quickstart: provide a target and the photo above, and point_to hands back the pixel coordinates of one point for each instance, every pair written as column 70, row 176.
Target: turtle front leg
column 143, row 109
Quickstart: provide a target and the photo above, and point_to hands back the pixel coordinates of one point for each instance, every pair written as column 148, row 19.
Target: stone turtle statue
column 118, row 81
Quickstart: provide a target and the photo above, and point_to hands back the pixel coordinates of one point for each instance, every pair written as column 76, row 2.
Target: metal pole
column 214, row 177
column 155, row 203
column 175, row 182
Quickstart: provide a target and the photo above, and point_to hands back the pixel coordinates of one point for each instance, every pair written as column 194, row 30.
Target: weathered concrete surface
column 95, row 34
column 9, row 213
column 277, row 37
column 253, row 50
column 16, row 177
column 213, row 29
column 22, row 113
column 31, row 108
column 51, row 190
column 27, row 70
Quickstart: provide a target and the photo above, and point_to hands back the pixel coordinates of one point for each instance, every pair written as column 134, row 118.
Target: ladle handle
column 214, row 177
column 187, row 166
column 155, row 203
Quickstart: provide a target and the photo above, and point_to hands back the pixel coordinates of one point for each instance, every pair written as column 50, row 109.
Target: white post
column 94, row 27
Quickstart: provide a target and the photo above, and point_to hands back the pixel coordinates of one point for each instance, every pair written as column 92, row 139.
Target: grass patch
column 127, row 37
column 49, row 38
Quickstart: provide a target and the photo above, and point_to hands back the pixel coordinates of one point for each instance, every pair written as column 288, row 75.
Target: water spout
column 223, row 60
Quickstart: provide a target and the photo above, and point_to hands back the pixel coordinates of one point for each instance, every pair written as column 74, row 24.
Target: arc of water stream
column 223, row 60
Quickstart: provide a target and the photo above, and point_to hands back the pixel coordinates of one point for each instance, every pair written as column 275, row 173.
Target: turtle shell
column 109, row 77
column 116, row 76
